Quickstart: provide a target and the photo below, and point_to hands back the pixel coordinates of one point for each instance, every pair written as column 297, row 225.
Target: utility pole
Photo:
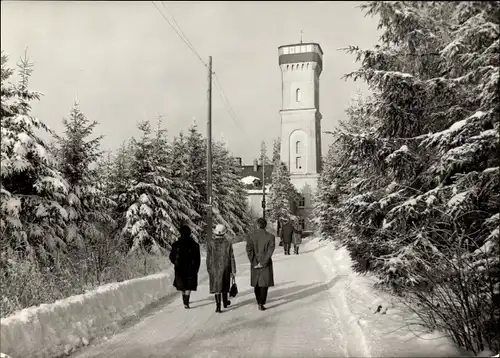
column 263, row 159
column 209, row 153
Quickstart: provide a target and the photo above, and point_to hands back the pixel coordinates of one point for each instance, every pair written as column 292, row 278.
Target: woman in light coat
column 297, row 235
column 221, row 266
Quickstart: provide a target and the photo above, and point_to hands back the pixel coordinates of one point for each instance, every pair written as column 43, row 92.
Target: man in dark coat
column 260, row 248
column 185, row 255
column 286, row 235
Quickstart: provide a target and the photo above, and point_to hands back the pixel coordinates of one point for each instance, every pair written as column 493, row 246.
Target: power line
column 225, row 99
column 218, row 85
column 232, row 113
column 180, row 36
column 182, row 32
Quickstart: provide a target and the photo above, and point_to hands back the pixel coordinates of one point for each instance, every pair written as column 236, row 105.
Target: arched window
column 298, row 95
column 298, row 163
column 298, row 147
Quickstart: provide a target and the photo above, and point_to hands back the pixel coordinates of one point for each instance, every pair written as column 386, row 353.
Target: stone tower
column 301, row 65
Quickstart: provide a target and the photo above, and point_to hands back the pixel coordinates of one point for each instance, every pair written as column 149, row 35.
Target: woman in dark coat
column 221, row 266
column 185, row 256
column 286, row 235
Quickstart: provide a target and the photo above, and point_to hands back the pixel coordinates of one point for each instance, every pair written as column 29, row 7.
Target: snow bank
column 379, row 325
column 52, row 330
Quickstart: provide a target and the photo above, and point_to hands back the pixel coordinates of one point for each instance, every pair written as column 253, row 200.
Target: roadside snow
column 378, row 325
column 51, row 330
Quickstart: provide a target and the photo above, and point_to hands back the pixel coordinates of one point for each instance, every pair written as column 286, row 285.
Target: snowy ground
column 318, row 308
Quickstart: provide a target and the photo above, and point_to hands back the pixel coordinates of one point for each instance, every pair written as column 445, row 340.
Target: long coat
column 297, row 238
column 185, row 256
column 287, row 232
column 220, row 264
column 260, row 248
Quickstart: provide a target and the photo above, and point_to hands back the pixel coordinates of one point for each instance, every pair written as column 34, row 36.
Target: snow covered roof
column 248, row 171
column 249, row 180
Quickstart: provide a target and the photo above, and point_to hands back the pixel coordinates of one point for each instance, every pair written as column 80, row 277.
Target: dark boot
column 217, row 303
column 185, row 300
column 225, row 301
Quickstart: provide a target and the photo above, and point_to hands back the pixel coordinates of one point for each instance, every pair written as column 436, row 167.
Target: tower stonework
column 301, row 65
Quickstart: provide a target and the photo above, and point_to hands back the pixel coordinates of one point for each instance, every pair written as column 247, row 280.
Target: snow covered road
column 318, row 308
column 299, row 321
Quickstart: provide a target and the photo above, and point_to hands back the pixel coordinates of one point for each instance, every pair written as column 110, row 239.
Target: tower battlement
column 300, row 53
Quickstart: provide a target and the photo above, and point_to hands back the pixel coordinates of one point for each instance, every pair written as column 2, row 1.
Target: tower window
column 298, row 147
column 298, row 95
column 302, row 223
column 302, row 201
column 298, row 163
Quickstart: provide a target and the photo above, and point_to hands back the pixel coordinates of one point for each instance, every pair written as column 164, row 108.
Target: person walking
column 286, row 235
column 260, row 248
column 185, row 256
column 221, row 266
column 297, row 235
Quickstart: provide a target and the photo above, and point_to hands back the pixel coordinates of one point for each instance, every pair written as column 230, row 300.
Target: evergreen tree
column 178, row 195
column 179, row 160
column 283, row 197
column 120, row 182
column 32, row 189
column 230, row 202
column 196, row 169
column 276, row 151
column 153, row 217
column 422, row 157
column 89, row 209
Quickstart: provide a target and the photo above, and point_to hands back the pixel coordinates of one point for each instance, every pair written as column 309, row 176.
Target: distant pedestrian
column 286, row 235
column 221, row 266
column 185, row 255
column 297, row 235
column 260, row 249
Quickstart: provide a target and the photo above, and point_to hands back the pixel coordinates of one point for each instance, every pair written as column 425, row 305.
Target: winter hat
column 220, row 230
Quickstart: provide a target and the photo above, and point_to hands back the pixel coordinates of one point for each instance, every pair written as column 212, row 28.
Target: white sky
column 126, row 64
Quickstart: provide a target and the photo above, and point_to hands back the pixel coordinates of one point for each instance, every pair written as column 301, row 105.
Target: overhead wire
column 182, row 32
column 231, row 112
column 186, row 42
column 218, row 85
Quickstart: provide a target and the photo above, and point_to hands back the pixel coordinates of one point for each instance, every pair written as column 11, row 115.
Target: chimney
column 255, row 165
column 237, row 161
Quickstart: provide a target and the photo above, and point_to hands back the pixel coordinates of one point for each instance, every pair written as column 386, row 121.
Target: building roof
column 248, row 170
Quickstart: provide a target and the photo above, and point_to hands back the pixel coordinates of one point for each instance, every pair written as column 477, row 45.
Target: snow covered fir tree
column 74, row 217
column 411, row 184
column 283, row 197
